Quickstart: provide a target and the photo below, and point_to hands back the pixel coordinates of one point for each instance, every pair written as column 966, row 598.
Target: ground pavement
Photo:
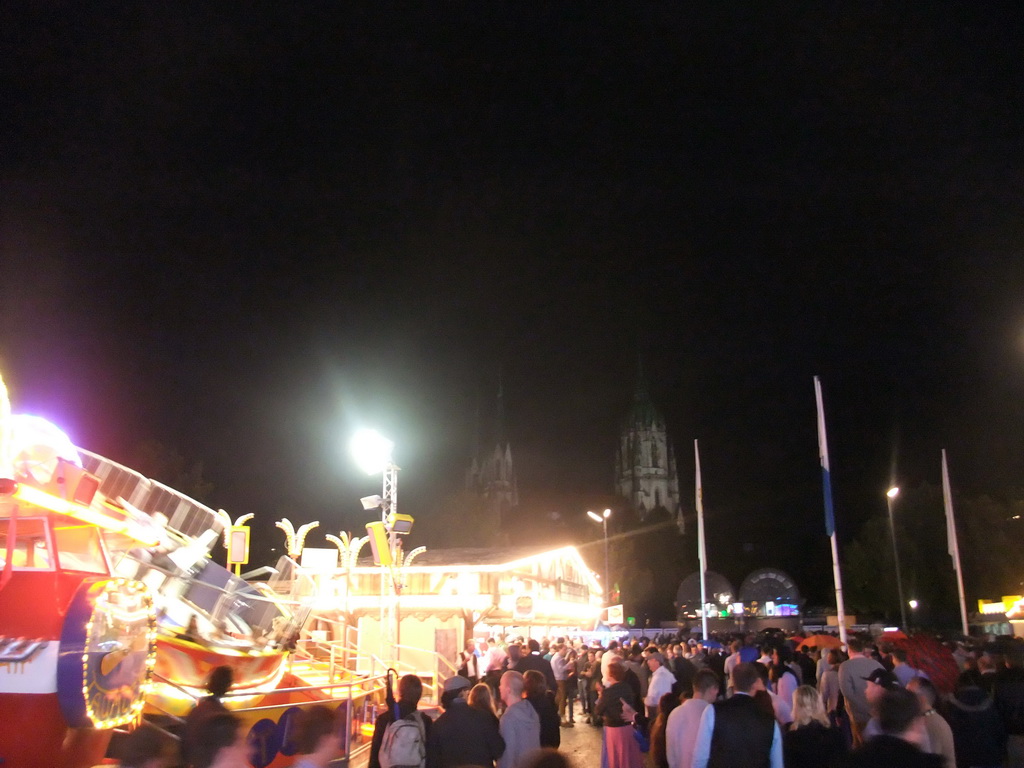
column 582, row 745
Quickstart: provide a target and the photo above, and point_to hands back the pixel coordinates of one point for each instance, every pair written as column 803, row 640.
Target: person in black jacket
column 410, row 688
column 541, row 699
column 532, row 659
column 462, row 735
column 811, row 741
column 617, row 707
column 902, row 725
column 1009, row 698
column 978, row 735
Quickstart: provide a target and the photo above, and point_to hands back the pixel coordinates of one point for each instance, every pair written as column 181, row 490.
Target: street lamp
column 372, row 453
column 890, row 497
column 602, row 519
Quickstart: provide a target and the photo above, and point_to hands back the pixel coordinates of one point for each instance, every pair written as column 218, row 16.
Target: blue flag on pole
column 826, row 478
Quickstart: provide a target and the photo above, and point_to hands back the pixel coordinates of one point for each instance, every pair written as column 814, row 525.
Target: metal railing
column 363, row 694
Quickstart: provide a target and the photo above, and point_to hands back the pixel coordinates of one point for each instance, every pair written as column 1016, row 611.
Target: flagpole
column 954, row 547
column 702, row 554
column 830, row 521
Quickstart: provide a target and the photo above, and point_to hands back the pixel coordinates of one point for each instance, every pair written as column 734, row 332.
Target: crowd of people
column 750, row 701
column 756, row 701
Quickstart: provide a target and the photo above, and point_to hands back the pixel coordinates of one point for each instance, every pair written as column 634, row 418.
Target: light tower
column 372, row 454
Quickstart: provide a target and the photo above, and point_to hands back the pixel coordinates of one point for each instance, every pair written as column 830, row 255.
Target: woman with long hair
column 617, row 707
column 659, row 747
column 536, row 689
column 784, row 681
column 480, row 698
column 811, row 741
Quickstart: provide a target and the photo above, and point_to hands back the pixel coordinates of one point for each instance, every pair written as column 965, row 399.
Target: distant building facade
column 645, row 463
column 767, row 597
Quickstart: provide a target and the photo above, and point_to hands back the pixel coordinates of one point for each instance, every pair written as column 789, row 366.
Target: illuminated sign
column 615, row 614
column 524, row 608
column 238, row 545
column 993, row 607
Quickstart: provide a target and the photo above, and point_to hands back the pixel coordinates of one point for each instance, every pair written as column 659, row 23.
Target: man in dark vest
column 739, row 732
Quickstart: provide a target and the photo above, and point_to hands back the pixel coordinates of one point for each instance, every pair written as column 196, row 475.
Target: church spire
column 499, row 419
column 475, row 450
column 641, row 392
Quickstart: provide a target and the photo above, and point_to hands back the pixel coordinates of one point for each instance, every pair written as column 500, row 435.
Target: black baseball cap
column 884, row 678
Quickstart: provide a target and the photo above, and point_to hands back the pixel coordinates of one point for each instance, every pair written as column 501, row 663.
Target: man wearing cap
column 660, row 684
column 878, row 683
column 853, row 674
column 462, row 735
column 901, row 730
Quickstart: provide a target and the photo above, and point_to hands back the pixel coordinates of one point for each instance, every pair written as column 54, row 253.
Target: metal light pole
column 890, row 497
column 373, row 454
column 603, row 520
column 389, row 507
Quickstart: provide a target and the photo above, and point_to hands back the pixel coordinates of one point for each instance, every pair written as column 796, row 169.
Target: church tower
column 645, row 464
column 492, row 475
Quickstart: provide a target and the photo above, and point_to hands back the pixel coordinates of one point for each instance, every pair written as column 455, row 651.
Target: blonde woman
column 480, row 698
column 811, row 741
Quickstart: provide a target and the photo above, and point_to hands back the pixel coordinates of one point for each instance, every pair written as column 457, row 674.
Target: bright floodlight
column 371, row 451
column 607, row 513
column 892, row 492
column 913, row 603
column 594, row 516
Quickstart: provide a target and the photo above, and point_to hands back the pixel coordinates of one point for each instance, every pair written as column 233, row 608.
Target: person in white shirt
column 607, row 658
column 785, row 681
column 683, row 721
column 661, row 683
column 559, row 667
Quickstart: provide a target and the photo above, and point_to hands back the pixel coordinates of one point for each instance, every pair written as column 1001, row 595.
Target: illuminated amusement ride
column 110, row 604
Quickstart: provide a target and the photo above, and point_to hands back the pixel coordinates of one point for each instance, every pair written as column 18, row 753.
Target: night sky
column 245, row 230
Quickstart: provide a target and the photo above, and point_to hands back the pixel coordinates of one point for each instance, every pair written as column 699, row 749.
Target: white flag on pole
column 947, row 502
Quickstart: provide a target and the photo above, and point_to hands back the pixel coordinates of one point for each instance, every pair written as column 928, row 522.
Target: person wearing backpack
column 402, row 741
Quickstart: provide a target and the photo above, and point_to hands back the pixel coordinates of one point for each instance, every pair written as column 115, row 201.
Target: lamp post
column 372, row 454
column 890, row 497
column 602, row 519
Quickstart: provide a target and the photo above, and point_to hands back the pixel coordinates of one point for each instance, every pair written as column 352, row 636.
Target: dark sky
column 244, row 230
